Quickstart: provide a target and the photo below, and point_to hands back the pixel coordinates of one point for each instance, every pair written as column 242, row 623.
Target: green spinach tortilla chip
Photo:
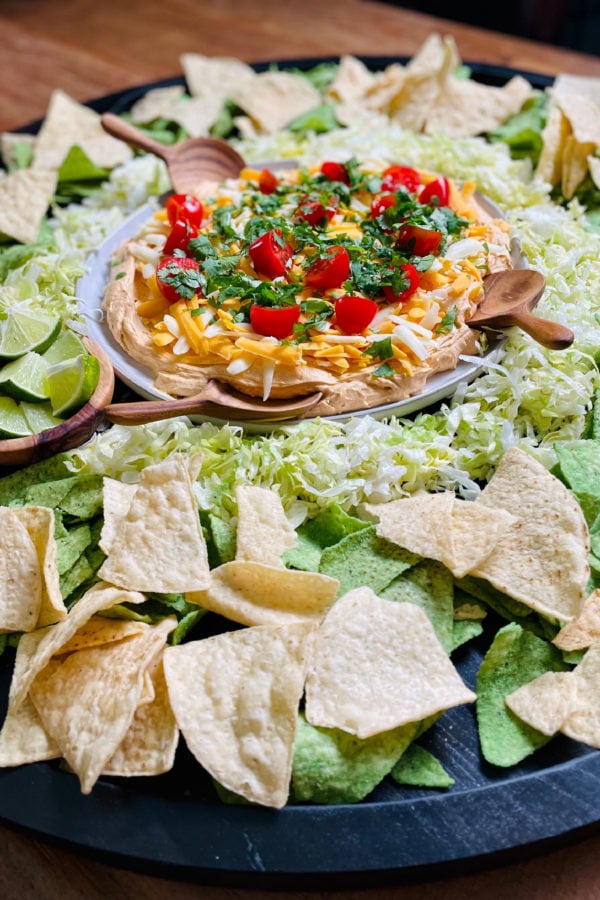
column 331, row 766
column 430, row 586
column 363, row 559
column 579, row 468
column 328, row 527
column 420, row 768
column 515, row 657
column 70, row 547
column 14, row 487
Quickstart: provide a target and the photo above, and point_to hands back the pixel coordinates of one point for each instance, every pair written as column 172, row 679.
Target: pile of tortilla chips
column 335, row 653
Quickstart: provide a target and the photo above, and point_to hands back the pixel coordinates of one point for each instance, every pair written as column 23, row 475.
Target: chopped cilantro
column 381, row 350
column 447, row 322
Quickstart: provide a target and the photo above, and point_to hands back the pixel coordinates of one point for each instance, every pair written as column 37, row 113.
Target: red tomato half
column 267, row 182
column 354, row 314
column 174, row 268
column 335, row 172
column 314, row 211
column 179, row 237
column 185, row 207
column 329, row 272
column 411, row 277
column 275, row 322
column 438, row 189
column 397, row 177
column 270, row 254
column 419, row 241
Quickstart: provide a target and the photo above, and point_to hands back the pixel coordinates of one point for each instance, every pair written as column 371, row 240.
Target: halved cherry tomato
column 438, row 189
column 329, row 272
column 270, row 254
column 185, row 207
column 381, row 203
column 419, row 241
column 274, row 321
column 354, row 314
column 397, row 177
column 179, row 237
column 410, row 278
column 335, row 171
column 314, row 211
column 267, row 182
column 174, row 271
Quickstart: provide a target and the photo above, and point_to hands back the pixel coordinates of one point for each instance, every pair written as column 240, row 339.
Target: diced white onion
column 181, row 346
column 241, row 364
column 430, row 318
column 268, row 372
column 464, row 248
column 403, row 335
column 415, row 327
column 145, row 254
column 148, row 270
column 345, row 338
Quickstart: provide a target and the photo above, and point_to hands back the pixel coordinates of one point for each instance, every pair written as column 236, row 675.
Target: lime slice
column 67, row 345
column 25, row 330
column 70, row 384
column 39, row 416
column 12, row 421
column 24, row 378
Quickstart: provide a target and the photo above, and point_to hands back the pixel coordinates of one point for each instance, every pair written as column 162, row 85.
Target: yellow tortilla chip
column 254, row 594
column 554, row 137
column 70, row 124
column 579, row 98
column 263, row 531
column 378, row 664
column 546, row 702
column 272, row 99
column 352, row 80
column 423, row 80
column 235, row 697
column 214, row 75
column 583, row 720
column 39, row 522
column 158, row 103
column 39, row 647
column 466, row 108
column 158, row 545
column 87, row 704
column 20, row 575
column 149, row 745
column 116, row 500
column 574, row 165
column 25, row 196
column 542, row 560
column 98, row 631
column 583, row 631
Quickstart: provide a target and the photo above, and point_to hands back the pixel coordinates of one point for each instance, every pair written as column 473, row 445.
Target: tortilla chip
column 272, row 99
column 235, row 697
column 574, row 165
column 352, row 80
column 423, row 80
column 579, row 98
column 158, row 103
column 583, row 631
column 421, row 768
column 440, row 526
column 100, row 596
column 117, row 497
column 546, row 702
column 430, row 586
column 542, row 560
column 149, row 745
column 554, row 137
column 158, row 545
column 70, row 124
column 9, row 141
column 377, row 665
column 254, row 594
column 263, row 531
column 25, row 196
column 363, row 558
column 214, row 75
column 88, row 703
column 20, row 575
column 466, row 108
column 583, row 721
column 98, row 631
column 39, row 522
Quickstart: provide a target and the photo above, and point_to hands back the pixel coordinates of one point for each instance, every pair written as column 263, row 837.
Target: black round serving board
column 175, row 826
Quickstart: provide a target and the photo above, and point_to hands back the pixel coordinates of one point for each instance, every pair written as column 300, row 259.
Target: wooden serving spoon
column 212, row 400
column 509, row 297
column 189, row 162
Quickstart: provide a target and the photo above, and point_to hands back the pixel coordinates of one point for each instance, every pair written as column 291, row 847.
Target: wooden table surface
column 93, row 47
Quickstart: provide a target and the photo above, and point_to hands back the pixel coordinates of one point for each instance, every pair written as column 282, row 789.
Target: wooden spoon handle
column 121, row 129
column 550, row 334
column 143, row 411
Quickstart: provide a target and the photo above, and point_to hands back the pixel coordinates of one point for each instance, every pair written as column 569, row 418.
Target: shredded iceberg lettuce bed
column 530, row 396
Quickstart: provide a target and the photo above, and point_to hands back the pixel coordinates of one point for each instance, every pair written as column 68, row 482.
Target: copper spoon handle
column 550, row 334
column 121, row 129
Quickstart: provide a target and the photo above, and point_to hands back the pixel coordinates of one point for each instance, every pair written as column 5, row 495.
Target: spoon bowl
column 510, row 295
column 189, row 162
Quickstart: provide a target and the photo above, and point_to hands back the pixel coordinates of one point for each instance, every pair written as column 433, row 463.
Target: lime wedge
column 39, row 416
column 24, row 378
column 25, row 330
column 12, row 421
column 70, row 384
column 67, row 345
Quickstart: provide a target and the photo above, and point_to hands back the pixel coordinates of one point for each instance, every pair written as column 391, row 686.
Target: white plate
column 90, row 292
